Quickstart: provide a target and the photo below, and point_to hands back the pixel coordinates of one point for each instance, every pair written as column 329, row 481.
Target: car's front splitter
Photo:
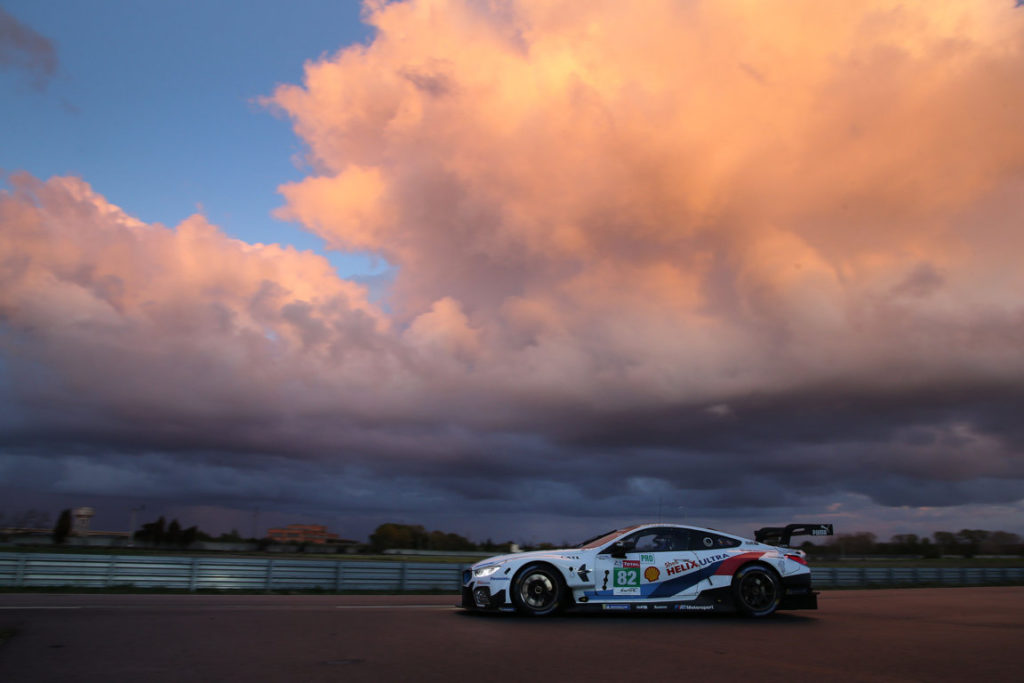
column 480, row 598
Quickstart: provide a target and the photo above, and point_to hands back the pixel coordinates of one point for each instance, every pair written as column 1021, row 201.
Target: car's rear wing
column 781, row 535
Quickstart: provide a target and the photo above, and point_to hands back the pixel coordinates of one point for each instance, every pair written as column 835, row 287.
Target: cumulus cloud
column 622, row 175
column 142, row 321
column 727, row 250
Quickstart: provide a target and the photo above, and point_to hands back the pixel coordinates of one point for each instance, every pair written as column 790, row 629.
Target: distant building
column 80, row 526
column 302, row 533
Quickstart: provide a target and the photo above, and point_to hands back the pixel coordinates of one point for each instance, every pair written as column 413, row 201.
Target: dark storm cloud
column 919, row 450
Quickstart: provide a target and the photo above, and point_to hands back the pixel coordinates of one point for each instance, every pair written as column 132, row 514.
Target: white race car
column 652, row 567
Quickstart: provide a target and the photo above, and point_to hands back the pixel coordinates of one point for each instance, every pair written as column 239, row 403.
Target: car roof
column 679, row 526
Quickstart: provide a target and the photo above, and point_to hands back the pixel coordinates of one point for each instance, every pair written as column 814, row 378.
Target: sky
column 522, row 270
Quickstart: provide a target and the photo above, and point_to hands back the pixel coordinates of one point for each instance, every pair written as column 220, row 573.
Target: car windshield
column 598, row 541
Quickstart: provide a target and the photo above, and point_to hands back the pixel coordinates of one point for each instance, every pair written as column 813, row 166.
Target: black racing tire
column 539, row 590
column 756, row 590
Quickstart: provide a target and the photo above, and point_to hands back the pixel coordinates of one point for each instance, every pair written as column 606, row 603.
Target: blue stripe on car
column 664, row 589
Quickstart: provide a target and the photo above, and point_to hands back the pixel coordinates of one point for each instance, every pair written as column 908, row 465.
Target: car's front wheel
column 757, row 590
column 539, row 590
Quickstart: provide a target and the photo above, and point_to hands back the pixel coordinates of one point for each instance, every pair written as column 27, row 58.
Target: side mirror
column 618, row 549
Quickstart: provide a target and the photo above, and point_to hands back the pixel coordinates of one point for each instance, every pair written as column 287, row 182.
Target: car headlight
column 486, row 571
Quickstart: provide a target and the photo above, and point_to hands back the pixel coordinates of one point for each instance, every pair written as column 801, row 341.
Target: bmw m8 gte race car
column 652, row 567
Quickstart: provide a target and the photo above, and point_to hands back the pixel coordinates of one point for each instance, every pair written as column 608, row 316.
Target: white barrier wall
column 197, row 573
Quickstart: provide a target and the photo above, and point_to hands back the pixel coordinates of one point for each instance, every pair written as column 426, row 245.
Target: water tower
column 81, row 521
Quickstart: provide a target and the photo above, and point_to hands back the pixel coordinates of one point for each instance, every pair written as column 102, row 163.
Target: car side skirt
column 797, row 594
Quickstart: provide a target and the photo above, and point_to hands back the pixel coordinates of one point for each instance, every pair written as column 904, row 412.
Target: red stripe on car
column 732, row 564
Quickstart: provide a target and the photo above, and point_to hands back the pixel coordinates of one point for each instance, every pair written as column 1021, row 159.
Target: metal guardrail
column 867, row 577
column 27, row 570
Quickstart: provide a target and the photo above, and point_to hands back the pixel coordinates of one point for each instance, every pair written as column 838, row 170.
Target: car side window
column 658, row 539
column 648, row 542
column 676, row 539
column 629, row 543
column 705, row 540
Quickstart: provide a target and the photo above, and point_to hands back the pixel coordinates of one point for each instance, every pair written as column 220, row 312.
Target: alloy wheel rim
column 758, row 592
column 537, row 591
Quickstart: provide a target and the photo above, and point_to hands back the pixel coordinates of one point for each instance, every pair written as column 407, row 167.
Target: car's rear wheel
column 538, row 590
column 757, row 590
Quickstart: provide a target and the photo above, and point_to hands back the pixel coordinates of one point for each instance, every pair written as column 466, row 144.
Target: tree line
column 158, row 532
column 393, row 536
column 964, row 543
column 161, row 533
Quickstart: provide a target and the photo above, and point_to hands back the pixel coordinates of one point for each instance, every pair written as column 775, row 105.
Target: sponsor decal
column 679, row 566
column 647, row 558
column 661, row 607
column 695, row 571
column 616, row 607
column 695, row 608
column 652, row 574
column 626, row 578
column 676, row 567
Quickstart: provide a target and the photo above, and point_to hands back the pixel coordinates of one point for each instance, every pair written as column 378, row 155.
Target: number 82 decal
column 626, row 577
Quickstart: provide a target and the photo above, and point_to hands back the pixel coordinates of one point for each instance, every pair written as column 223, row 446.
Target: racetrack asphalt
column 941, row 634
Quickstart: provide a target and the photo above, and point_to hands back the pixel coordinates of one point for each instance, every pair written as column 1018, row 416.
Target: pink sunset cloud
column 170, row 321
column 699, row 199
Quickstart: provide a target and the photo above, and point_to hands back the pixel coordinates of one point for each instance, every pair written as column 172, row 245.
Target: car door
column 672, row 575
column 646, row 561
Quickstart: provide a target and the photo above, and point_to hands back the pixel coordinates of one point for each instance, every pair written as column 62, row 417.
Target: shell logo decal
column 652, row 573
